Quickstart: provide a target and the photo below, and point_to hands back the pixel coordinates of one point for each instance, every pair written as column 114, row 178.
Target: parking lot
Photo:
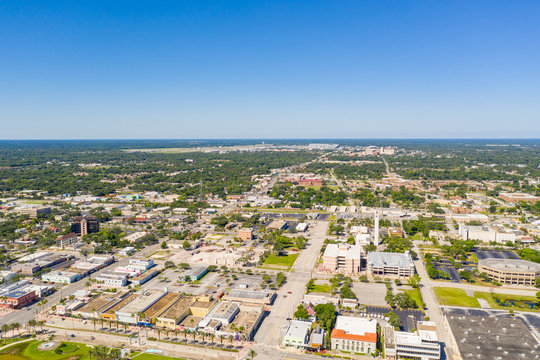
column 370, row 293
column 495, row 254
column 408, row 318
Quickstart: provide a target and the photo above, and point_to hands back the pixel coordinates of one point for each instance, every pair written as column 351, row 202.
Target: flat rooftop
column 298, row 329
column 160, row 305
column 121, row 304
column 99, row 302
column 178, row 308
column 143, row 301
column 496, row 336
column 511, row 264
column 248, row 294
column 387, row 259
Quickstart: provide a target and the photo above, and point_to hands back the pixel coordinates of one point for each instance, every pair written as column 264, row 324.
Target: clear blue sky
column 269, row 69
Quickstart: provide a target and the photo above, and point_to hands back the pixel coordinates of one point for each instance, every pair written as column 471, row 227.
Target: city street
column 284, row 306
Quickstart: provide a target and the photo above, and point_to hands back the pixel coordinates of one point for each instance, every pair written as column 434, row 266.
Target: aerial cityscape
column 269, row 180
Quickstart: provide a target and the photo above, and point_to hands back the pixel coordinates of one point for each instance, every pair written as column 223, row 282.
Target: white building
column 301, row 227
column 353, row 334
column 422, row 344
column 112, row 279
column 486, row 233
column 135, row 236
column 297, row 334
column 385, row 263
column 63, row 277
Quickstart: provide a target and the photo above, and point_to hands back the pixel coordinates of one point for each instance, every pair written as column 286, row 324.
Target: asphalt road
column 285, row 304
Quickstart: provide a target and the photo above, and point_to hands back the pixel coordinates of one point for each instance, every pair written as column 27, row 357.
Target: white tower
column 376, row 228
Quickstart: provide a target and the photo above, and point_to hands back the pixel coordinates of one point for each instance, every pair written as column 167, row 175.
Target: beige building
column 510, row 271
column 342, row 257
column 245, row 234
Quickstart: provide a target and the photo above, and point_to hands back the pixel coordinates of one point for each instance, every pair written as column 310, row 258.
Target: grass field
column 29, row 350
column 503, row 297
column 279, row 262
column 417, row 296
column 70, row 351
column 455, row 297
column 324, row 288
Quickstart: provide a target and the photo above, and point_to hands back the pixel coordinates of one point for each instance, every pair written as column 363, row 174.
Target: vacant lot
column 370, row 293
column 455, row 297
column 279, row 262
column 415, row 294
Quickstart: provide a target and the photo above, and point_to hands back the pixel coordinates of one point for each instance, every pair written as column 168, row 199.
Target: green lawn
column 418, row 236
column 279, row 262
column 29, row 350
column 324, row 288
column 417, row 296
column 503, row 297
column 455, row 297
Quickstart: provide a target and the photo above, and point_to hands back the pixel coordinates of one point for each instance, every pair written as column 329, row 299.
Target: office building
column 297, row 334
column 510, row 271
column 245, row 234
column 67, row 240
column 353, row 334
column 83, row 225
column 342, row 257
column 385, row 263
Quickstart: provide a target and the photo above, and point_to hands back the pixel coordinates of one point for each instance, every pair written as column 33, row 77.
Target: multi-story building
column 67, row 240
column 510, row 271
column 297, row 334
column 35, row 211
column 422, row 344
column 18, row 299
column 385, row 263
column 83, row 225
column 245, row 234
column 342, row 257
column 353, row 334
column 486, row 233
column 517, row 198
column 63, row 277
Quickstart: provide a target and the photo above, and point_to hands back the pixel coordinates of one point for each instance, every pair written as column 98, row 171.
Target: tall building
column 83, row 225
column 342, row 257
column 385, row 263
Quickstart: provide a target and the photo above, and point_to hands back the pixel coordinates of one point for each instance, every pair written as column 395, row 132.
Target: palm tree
column 230, row 339
column 175, row 333
column 94, row 321
column 212, row 335
column 17, row 326
column 185, row 333
column 252, row 354
column 203, row 334
column 158, row 333
column 41, row 323
column 221, row 337
column 5, row 329
column 194, row 333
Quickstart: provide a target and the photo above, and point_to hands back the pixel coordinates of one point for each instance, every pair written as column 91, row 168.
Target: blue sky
column 269, row 69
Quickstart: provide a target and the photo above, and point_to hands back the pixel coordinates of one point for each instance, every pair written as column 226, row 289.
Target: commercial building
column 342, row 257
column 259, row 297
column 100, row 304
column 63, row 277
column 175, row 313
column 127, row 251
column 144, row 277
column 35, row 211
column 110, row 313
column 134, row 237
column 517, row 198
column 224, row 312
column 385, row 263
column 67, row 240
column 353, row 334
column 131, row 313
column 422, row 344
column 510, row 271
column 112, row 279
column 245, row 234
column 82, row 225
column 297, row 334
column 149, row 315
column 196, row 272
column 36, row 263
column 17, row 299
column 486, row 233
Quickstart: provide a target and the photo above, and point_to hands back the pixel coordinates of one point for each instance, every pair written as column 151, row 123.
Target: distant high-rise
column 83, row 225
column 376, row 228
